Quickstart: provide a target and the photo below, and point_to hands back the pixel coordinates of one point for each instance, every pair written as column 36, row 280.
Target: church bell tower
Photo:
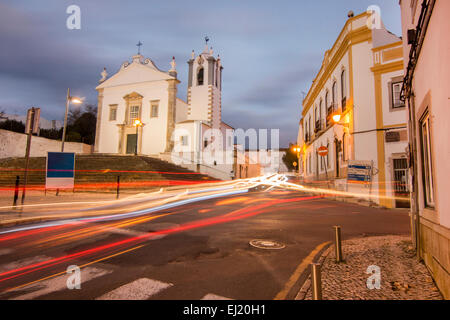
column 204, row 87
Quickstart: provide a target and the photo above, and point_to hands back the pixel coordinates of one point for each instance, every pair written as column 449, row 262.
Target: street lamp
column 337, row 118
column 297, row 149
column 69, row 99
column 137, row 123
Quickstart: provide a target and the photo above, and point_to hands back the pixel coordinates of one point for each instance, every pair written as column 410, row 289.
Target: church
column 139, row 111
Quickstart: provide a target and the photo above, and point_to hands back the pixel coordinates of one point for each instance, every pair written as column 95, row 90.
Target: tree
column 82, row 125
column 13, row 125
column 290, row 157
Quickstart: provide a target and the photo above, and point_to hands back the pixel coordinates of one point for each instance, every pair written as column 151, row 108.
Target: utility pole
column 30, row 128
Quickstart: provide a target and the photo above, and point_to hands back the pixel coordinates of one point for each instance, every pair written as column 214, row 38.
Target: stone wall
column 13, row 144
column 435, row 251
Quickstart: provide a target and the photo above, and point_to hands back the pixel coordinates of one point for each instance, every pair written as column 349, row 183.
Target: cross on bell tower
column 139, row 44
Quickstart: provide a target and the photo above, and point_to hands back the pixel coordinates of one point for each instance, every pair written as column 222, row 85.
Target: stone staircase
column 98, row 171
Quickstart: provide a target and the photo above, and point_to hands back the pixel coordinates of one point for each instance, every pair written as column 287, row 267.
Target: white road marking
column 59, row 283
column 135, row 233
column 140, row 289
column 5, row 251
column 22, row 263
column 211, row 296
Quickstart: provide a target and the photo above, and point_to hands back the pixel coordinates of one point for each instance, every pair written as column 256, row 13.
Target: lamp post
column 297, row 149
column 69, row 99
column 137, row 123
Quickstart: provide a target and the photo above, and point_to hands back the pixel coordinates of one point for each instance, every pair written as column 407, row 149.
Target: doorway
column 131, row 143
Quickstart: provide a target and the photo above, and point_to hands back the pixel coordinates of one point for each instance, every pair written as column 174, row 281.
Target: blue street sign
column 60, row 171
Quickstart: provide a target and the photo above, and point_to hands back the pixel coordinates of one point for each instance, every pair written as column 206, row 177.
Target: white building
column 171, row 128
column 360, row 80
column 426, row 46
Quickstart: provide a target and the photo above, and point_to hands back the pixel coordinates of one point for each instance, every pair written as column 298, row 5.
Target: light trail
column 233, row 216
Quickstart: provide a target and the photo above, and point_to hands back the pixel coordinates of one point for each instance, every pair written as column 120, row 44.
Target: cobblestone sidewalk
column 402, row 276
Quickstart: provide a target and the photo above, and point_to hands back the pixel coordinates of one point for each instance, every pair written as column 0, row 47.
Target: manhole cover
column 267, row 244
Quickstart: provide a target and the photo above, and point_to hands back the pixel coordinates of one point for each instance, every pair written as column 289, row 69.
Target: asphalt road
column 198, row 250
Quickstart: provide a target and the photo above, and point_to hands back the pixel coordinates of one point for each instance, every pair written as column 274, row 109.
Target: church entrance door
column 131, row 143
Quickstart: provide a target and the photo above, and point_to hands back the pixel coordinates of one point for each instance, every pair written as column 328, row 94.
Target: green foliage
column 84, row 124
column 13, row 125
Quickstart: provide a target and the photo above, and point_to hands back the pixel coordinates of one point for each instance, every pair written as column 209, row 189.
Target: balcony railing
column 318, row 126
column 307, row 138
column 330, row 110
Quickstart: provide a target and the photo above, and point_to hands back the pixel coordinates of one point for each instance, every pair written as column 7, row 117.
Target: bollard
column 118, row 187
column 316, row 281
column 16, row 191
column 338, row 245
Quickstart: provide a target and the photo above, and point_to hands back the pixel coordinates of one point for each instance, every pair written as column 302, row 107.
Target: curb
column 12, row 223
column 307, row 284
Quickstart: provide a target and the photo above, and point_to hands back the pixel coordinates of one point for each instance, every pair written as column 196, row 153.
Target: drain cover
column 267, row 244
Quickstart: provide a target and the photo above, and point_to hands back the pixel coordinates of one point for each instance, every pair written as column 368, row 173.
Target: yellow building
column 358, row 85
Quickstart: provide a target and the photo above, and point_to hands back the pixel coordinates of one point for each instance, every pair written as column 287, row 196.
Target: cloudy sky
column 271, row 50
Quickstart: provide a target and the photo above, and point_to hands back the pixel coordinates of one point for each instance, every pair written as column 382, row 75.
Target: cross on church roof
column 206, row 40
column 139, row 47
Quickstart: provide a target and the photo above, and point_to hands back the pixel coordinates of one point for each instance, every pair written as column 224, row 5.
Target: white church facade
column 139, row 113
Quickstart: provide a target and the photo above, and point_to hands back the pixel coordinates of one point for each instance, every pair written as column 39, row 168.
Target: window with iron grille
column 154, row 109
column 184, row 140
column 396, row 88
column 134, row 113
column 112, row 113
column 427, row 160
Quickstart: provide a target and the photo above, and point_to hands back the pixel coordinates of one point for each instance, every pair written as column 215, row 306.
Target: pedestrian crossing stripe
column 140, row 289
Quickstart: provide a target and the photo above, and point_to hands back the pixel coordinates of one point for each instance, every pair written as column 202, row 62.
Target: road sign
column 322, row 151
column 60, row 173
column 359, row 171
column 33, row 117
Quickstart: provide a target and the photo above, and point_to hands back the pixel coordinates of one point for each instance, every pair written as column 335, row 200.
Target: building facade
column 426, row 89
column 359, row 81
column 139, row 113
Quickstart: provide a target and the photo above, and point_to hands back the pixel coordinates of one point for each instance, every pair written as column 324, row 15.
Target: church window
column 184, row 140
column 217, row 75
column 134, row 113
column 200, row 75
column 112, row 112
column 154, row 109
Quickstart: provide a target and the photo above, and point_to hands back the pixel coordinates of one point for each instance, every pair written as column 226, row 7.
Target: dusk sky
column 270, row 50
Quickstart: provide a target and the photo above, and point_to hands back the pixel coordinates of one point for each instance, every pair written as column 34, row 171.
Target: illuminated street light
column 137, row 123
column 76, row 100
column 337, row 117
column 69, row 99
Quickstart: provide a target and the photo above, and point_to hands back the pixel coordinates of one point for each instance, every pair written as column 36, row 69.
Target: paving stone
column 403, row 277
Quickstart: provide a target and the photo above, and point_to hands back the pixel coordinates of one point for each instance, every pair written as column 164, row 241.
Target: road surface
column 186, row 246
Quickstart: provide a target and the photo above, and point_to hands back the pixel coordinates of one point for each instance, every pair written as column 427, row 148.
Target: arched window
column 320, row 113
column 200, row 77
column 343, row 90
column 334, row 94
column 217, row 75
